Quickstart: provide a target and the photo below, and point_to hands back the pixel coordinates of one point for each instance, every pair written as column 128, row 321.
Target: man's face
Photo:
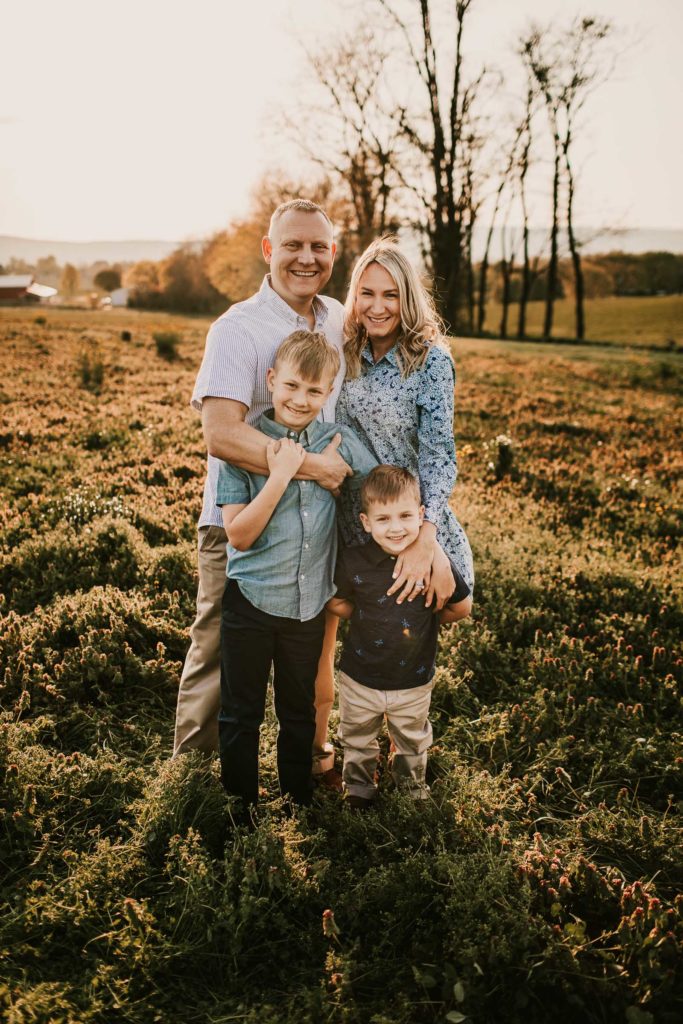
column 296, row 401
column 300, row 254
column 394, row 524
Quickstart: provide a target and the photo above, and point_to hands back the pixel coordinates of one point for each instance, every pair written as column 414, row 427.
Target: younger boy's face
column 394, row 524
column 296, row 401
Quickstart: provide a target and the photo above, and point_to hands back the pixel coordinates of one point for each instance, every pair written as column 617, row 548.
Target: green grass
column 643, row 321
column 542, row 879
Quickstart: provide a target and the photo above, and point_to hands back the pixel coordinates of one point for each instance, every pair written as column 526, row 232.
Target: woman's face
column 378, row 307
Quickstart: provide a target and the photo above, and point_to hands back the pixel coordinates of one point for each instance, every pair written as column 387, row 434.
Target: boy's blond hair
column 310, row 353
column 388, row 483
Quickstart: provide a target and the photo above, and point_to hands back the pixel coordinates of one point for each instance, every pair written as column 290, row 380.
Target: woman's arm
column 437, row 470
column 437, row 464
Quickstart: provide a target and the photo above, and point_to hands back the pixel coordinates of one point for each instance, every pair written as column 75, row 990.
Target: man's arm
column 229, row 438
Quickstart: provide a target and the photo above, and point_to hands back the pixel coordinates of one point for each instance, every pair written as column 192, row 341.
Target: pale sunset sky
column 154, row 118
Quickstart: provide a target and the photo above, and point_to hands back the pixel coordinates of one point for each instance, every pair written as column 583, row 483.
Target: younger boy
column 388, row 656
column 281, row 554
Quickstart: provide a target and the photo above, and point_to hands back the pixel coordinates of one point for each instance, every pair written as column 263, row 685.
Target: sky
column 154, row 119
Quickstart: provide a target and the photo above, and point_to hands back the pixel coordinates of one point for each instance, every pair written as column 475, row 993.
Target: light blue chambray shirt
column 408, row 422
column 289, row 570
column 241, row 346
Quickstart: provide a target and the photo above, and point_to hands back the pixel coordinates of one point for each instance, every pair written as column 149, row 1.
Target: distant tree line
column 67, row 278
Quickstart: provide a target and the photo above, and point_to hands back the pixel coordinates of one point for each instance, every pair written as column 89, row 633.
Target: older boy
column 282, row 548
column 387, row 661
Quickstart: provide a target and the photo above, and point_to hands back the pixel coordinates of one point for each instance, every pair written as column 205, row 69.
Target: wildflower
column 330, row 929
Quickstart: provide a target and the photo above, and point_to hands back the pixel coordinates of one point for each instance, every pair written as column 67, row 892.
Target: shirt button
column 305, row 513
column 306, row 546
column 302, row 577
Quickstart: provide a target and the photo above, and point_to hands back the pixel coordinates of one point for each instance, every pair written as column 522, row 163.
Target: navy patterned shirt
column 408, row 422
column 389, row 646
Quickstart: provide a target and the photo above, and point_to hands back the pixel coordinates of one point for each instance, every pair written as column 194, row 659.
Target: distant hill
column 83, row 253
column 632, row 240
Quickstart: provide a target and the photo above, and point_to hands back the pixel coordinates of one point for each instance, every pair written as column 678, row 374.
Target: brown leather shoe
column 331, row 779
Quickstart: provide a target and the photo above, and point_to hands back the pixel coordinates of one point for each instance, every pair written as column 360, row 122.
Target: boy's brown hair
column 388, row 483
column 311, row 353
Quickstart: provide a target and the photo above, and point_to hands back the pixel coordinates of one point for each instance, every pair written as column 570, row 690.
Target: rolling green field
column 541, row 881
column 650, row 321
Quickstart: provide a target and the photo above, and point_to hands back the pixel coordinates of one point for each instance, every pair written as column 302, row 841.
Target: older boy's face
column 296, row 401
column 394, row 524
column 300, row 253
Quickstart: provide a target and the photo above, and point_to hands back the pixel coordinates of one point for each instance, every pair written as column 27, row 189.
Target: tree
column 70, row 281
column 184, row 284
column 108, row 280
column 48, row 270
column 354, row 137
column 565, row 67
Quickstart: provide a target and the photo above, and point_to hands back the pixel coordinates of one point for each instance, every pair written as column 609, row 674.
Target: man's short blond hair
column 386, row 484
column 311, row 354
column 304, row 205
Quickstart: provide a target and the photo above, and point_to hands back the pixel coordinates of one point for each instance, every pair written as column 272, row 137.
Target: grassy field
column 650, row 321
column 542, row 881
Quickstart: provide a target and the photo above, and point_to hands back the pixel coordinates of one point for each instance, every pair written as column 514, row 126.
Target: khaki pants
column 361, row 712
column 199, row 694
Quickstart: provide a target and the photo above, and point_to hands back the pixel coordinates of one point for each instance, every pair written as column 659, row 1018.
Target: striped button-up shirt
column 288, row 570
column 240, row 348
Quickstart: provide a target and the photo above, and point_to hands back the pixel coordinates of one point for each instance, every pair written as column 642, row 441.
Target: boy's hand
column 284, row 458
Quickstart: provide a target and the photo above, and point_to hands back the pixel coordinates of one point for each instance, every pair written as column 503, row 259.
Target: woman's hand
column 442, row 582
column 284, row 458
column 413, row 569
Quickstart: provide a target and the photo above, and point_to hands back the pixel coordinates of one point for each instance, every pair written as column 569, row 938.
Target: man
column 231, row 393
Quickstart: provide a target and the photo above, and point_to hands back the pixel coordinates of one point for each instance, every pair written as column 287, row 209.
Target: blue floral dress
column 408, row 422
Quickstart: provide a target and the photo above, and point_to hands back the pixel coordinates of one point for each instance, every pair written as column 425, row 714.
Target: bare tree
column 565, row 67
column 582, row 71
column 354, row 138
column 523, row 170
column 441, row 138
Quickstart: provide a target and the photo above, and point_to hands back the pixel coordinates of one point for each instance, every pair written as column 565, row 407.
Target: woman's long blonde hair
column 421, row 326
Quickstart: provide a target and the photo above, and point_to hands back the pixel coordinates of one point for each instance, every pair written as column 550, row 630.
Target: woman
column 398, row 398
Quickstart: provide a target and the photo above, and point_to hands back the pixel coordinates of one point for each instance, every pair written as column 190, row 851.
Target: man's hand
column 328, row 468
column 284, row 458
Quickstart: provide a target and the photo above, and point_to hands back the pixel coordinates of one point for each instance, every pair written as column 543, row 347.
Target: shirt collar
column 390, row 356
column 374, row 553
column 268, row 426
column 268, row 295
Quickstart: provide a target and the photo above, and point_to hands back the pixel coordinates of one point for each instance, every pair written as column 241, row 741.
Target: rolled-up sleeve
column 229, row 366
column 436, row 445
column 232, row 487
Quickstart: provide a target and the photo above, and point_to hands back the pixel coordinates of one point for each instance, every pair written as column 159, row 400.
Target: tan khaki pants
column 362, row 711
column 199, row 694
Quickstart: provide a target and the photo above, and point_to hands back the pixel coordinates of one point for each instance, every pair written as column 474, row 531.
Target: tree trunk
column 579, row 289
column 551, row 275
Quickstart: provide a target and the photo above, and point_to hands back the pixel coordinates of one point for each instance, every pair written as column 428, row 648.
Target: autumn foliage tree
column 108, row 279
column 70, row 281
